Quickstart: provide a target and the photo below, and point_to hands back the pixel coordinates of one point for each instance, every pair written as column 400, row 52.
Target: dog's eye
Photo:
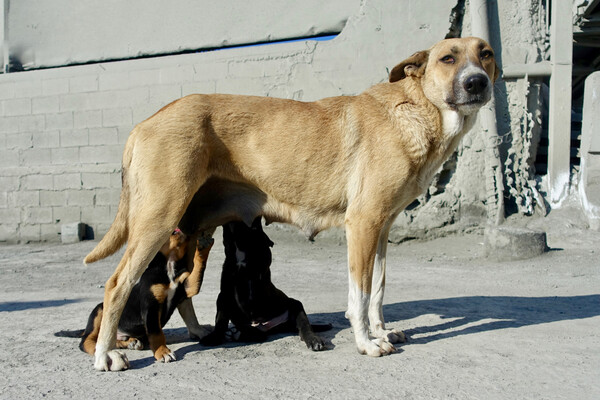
column 486, row 54
column 447, row 60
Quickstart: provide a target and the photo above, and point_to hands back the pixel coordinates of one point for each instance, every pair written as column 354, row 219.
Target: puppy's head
column 456, row 74
column 248, row 261
column 175, row 247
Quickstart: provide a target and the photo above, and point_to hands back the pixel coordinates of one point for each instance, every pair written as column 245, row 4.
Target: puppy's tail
column 117, row 234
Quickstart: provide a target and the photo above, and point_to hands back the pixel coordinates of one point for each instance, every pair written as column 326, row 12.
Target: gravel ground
column 478, row 329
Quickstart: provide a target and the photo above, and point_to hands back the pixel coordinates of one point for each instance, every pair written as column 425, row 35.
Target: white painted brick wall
column 62, row 130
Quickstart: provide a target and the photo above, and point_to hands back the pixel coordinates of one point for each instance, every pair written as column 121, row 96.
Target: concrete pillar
column 559, row 120
column 589, row 183
column 487, row 120
column 4, row 54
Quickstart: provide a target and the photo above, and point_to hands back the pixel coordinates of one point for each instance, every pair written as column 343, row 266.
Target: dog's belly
column 220, row 201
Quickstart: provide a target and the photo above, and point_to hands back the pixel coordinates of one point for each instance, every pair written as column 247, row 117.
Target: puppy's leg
column 192, row 285
column 194, row 280
column 156, row 336
column 217, row 336
column 377, row 290
column 90, row 334
column 195, row 330
column 300, row 319
column 362, row 236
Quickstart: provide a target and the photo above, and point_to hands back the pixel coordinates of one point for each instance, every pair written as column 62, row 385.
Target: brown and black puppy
column 165, row 284
column 249, row 299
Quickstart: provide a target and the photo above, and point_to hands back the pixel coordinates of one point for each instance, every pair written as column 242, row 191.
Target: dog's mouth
column 474, row 102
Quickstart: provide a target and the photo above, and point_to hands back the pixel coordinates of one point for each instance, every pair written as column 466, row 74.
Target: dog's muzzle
column 472, row 90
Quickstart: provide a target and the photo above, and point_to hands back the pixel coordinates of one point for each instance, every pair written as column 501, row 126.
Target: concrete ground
column 479, row 329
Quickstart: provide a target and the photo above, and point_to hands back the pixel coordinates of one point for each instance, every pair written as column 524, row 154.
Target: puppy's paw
column 212, row 339
column 315, row 343
column 199, row 332
column 112, row 360
column 163, row 354
column 135, row 344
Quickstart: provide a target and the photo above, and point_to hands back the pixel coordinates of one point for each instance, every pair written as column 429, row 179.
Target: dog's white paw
column 390, row 335
column 376, row 348
column 111, row 360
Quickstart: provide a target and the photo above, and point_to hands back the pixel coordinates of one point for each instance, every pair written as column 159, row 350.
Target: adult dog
column 249, row 299
column 357, row 161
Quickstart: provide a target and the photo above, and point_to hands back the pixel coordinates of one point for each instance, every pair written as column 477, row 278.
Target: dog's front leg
column 376, row 319
column 362, row 236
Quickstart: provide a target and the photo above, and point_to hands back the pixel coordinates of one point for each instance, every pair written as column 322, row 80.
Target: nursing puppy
column 249, row 299
column 163, row 287
column 353, row 161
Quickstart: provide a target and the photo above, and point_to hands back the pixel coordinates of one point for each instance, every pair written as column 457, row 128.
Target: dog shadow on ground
column 474, row 314
column 459, row 316
column 30, row 305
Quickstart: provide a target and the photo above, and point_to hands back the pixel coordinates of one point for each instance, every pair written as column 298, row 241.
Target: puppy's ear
column 268, row 241
column 412, row 66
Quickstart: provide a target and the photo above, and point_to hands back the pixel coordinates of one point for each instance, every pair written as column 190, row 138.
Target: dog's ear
column 497, row 72
column 412, row 66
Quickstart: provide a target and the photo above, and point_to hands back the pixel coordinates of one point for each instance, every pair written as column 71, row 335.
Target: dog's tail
column 70, row 334
column 117, row 234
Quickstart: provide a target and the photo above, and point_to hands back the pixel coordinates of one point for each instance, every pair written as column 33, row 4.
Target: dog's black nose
column 476, row 84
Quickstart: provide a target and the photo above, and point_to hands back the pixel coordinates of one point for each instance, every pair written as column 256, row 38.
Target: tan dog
column 357, row 161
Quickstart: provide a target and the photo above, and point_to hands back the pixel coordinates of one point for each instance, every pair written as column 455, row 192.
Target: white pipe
column 513, row 71
column 487, row 121
column 4, row 36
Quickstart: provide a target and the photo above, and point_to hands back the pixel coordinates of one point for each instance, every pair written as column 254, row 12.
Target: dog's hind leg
column 147, row 235
column 362, row 235
column 376, row 319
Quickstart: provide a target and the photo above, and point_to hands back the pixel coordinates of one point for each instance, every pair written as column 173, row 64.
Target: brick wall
column 62, row 130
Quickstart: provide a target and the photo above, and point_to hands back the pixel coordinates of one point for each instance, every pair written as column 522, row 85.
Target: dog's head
column 248, row 261
column 455, row 74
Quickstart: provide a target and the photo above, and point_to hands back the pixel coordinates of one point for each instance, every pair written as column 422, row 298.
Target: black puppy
column 249, row 299
column 169, row 280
